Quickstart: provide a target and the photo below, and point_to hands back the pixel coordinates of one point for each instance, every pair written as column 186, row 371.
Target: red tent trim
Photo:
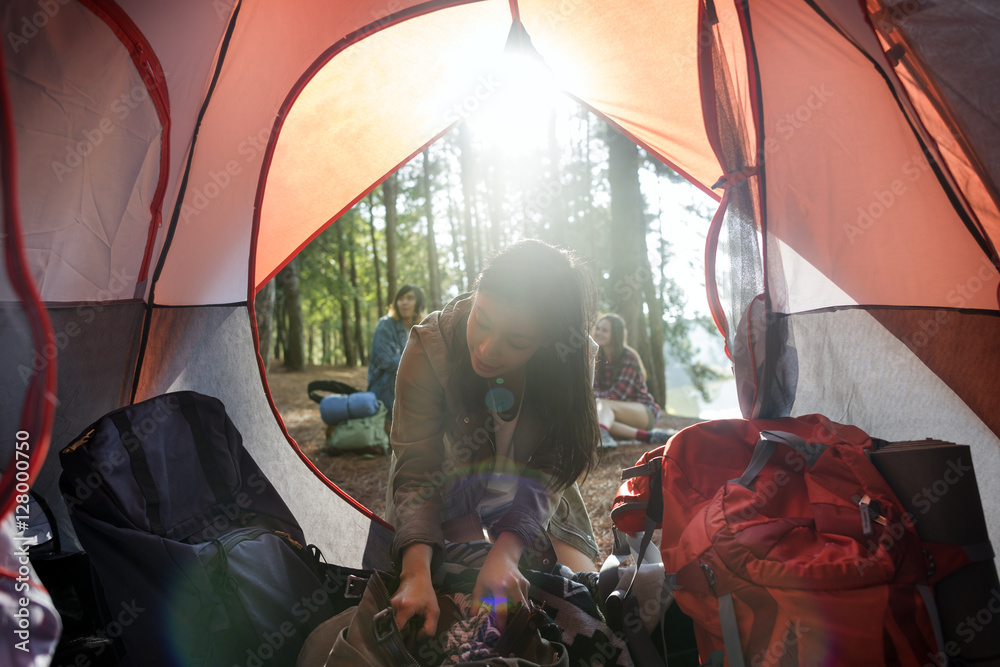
column 38, row 411
column 293, row 94
column 149, row 68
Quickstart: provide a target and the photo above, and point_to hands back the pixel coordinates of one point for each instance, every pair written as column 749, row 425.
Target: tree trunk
column 359, row 340
column 629, row 268
column 468, row 195
column 310, row 344
column 390, row 189
column 554, row 190
column 345, row 316
column 379, row 301
column 586, row 189
column 456, row 246
column 280, row 321
column 263, row 307
column 325, row 343
column 656, row 373
column 288, row 278
column 433, row 273
column 494, row 202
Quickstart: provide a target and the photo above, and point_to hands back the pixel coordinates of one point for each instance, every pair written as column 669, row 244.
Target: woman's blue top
column 387, row 348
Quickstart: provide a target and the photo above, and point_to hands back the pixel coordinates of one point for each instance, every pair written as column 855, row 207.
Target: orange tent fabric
column 174, row 156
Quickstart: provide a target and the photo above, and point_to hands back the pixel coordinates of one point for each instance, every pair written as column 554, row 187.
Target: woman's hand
column 415, row 596
column 500, row 584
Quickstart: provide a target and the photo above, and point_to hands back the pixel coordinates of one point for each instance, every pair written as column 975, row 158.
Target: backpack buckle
column 383, row 624
column 355, row 586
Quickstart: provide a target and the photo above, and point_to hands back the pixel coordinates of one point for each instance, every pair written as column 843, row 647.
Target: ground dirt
column 364, row 478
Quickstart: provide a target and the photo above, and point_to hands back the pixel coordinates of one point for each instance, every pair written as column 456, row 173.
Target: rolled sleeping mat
column 337, row 408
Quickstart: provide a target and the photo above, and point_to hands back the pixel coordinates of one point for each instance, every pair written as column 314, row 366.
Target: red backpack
column 786, row 546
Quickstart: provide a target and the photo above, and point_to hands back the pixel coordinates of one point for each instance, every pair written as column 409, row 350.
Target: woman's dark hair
column 619, row 334
column 554, row 284
column 418, row 312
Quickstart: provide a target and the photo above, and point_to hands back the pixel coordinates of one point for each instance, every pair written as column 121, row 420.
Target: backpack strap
column 932, row 611
column 623, row 606
column 330, row 386
column 140, row 470
column 641, row 644
column 730, row 631
column 654, row 510
column 765, row 447
column 203, row 446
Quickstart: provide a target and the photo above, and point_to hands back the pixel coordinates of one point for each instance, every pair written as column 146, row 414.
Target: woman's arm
column 418, row 424
column 500, row 584
column 417, row 443
column 385, row 354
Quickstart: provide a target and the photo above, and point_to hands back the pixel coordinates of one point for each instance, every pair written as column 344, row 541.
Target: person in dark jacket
column 495, row 421
column 389, row 340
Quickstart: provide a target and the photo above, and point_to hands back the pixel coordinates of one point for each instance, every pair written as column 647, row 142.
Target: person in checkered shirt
column 625, row 409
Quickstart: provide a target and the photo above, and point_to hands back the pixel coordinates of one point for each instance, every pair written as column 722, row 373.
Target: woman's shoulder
column 629, row 355
column 440, row 333
column 445, row 322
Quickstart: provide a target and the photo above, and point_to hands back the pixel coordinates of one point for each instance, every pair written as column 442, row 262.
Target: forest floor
column 365, row 478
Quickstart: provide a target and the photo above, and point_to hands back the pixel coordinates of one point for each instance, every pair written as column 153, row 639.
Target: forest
column 551, row 171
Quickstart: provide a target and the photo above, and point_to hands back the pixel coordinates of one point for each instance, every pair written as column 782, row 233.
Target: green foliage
column 559, row 193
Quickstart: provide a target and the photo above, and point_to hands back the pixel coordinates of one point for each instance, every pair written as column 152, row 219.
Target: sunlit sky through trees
column 524, row 160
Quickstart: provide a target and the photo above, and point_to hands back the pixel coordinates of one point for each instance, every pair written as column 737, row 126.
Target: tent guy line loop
column 732, row 178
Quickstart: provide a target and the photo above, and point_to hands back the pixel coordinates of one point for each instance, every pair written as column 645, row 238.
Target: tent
column 161, row 161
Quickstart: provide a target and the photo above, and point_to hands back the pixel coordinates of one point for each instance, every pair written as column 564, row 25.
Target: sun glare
column 518, row 96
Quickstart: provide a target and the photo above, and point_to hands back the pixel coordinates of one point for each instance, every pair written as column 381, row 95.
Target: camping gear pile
column 161, row 162
column 355, row 419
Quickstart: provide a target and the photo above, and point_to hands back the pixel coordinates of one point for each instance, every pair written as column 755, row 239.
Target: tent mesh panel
column 739, row 273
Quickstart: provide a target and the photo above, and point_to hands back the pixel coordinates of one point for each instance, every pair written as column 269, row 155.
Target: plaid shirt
column 627, row 385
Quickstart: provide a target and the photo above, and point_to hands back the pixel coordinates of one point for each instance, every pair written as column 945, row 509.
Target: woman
column 389, row 340
column 495, row 421
column 624, row 407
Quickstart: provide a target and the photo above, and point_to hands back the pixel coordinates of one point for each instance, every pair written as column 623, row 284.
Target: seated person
column 625, row 408
column 389, row 340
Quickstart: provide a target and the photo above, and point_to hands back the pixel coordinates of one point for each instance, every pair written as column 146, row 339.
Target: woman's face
column 502, row 337
column 602, row 333
column 406, row 305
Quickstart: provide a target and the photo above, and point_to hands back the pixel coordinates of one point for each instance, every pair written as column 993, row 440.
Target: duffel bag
column 785, row 546
column 356, row 436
